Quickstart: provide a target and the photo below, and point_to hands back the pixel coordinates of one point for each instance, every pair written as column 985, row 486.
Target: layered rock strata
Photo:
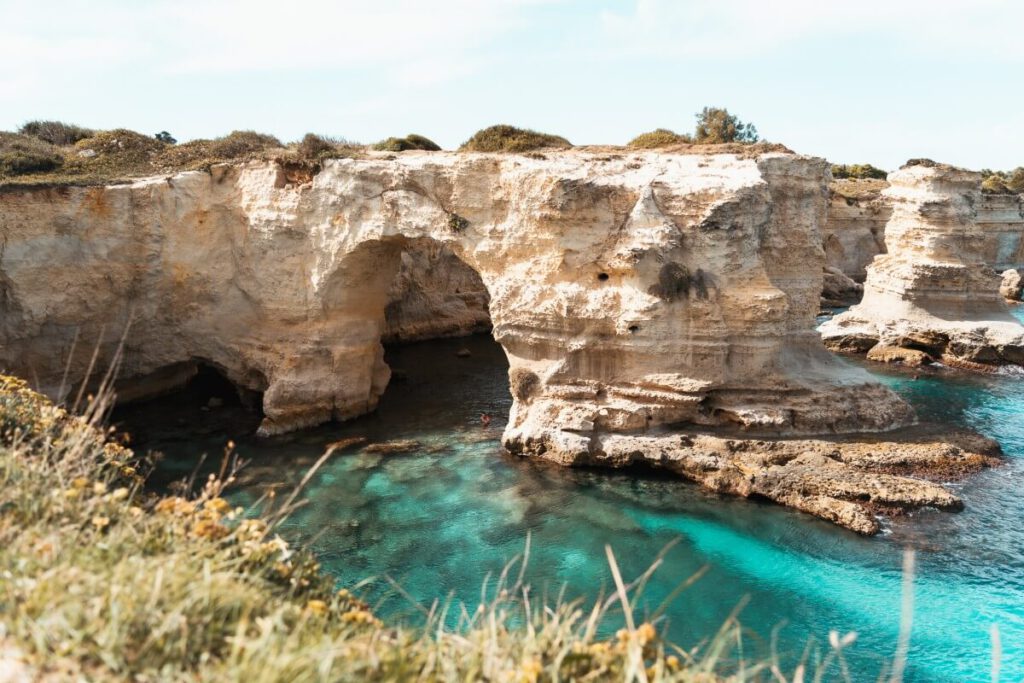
column 932, row 292
column 858, row 212
column 635, row 294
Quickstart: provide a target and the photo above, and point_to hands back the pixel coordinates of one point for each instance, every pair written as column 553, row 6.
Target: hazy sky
column 860, row 80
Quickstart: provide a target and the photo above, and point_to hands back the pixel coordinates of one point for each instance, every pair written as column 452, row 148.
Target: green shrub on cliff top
column 1003, row 182
column 715, row 125
column 410, row 141
column 22, row 154
column 660, row 137
column 857, row 172
column 239, row 145
column 503, row 138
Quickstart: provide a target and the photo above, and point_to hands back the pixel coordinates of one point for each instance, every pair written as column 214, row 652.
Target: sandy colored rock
column 839, row 289
column 434, row 295
column 847, row 483
column 630, row 292
column 883, row 353
column 932, row 290
column 858, row 211
column 1011, row 285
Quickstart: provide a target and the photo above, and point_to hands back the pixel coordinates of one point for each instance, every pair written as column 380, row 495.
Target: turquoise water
column 439, row 519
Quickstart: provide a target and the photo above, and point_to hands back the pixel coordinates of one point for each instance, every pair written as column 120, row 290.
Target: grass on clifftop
column 660, row 137
column 504, row 138
column 103, row 580
column 410, row 141
column 56, row 153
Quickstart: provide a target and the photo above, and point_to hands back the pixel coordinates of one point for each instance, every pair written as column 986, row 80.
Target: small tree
column 164, row 136
column 715, row 125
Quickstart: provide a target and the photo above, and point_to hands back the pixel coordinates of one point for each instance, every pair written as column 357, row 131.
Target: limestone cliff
column 858, row 212
column 932, row 292
column 634, row 294
column 854, row 232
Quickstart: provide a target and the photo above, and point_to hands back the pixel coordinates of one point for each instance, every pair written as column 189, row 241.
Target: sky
column 877, row 81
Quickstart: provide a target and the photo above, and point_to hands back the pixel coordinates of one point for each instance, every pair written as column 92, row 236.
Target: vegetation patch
column 56, row 132
column 410, row 141
column 716, row 125
column 239, row 145
column 858, row 172
column 660, row 137
column 1003, row 182
column 504, row 138
column 22, row 154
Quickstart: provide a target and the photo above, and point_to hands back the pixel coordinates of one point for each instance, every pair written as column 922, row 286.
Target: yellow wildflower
column 218, row 505
column 317, row 607
column 672, row 662
column 79, row 482
column 71, row 494
column 100, row 522
column 645, row 633
column 119, row 494
column 99, row 488
column 175, row 506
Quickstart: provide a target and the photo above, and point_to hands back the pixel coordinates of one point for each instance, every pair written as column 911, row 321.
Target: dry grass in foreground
column 103, row 580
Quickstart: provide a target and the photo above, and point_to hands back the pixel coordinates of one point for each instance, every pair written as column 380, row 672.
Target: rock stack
column 931, row 297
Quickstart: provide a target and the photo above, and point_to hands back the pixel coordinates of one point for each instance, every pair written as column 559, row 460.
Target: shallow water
column 438, row 520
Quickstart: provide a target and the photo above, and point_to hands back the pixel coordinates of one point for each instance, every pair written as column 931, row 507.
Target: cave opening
column 447, row 370
column 183, row 400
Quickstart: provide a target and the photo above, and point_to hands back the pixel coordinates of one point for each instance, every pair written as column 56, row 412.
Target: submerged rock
column 932, row 291
column 393, row 447
column 848, row 483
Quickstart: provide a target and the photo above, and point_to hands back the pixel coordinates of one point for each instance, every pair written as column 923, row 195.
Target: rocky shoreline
column 641, row 299
column 931, row 297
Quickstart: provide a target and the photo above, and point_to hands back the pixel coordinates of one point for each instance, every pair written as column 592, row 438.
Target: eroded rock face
column 434, row 295
column 932, row 291
column 854, row 232
column 634, row 294
column 1011, row 285
column 858, row 212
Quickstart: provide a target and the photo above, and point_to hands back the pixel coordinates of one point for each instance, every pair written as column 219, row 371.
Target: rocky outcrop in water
column 635, row 294
column 858, row 212
column 932, row 292
column 1011, row 285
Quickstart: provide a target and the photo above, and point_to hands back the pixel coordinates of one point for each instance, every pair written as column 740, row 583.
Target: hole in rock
column 602, row 276
column 182, row 402
column 634, row 329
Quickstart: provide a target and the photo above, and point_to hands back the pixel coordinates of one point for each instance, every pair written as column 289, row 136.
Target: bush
column 1003, row 182
column 116, row 154
column 504, row 138
column 858, row 172
column 164, row 136
column 56, row 132
column 314, row 147
column 21, row 154
column 661, row 137
column 237, row 145
column 716, row 125
column 410, row 141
